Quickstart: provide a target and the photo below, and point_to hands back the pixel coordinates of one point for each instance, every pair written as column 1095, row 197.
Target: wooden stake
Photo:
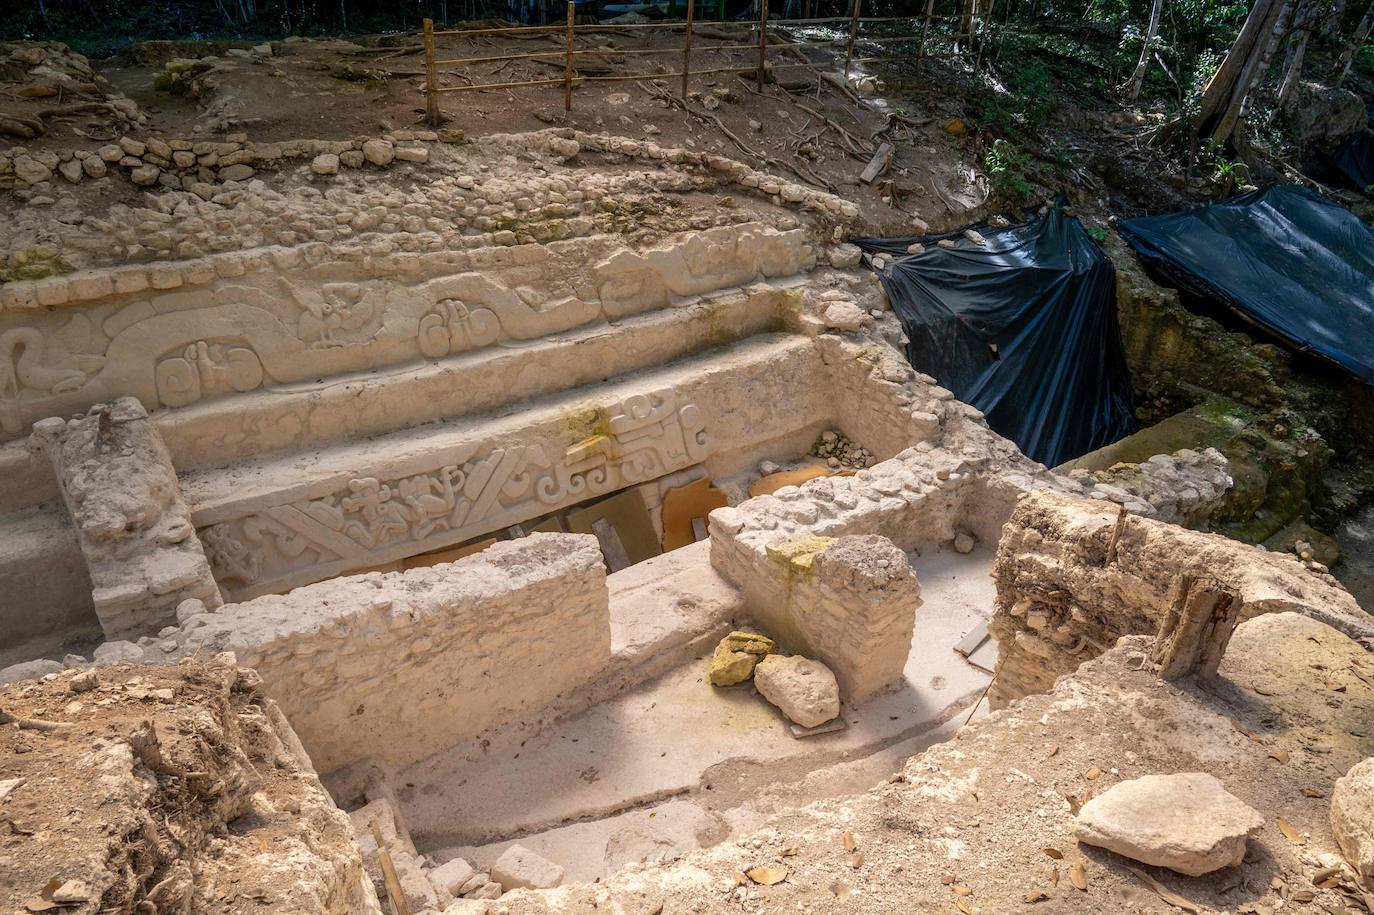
column 393, row 883
column 925, row 30
column 853, row 31
column 983, row 36
column 568, row 66
column 763, row 40
column 431, row 77
column 687, row 49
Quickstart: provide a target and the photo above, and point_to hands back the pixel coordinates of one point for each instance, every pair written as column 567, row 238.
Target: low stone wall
column 394, row 667
column 850, row 602
column 1074, row 575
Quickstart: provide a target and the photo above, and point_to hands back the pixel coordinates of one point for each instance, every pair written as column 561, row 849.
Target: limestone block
column 111, row 653
column 236, row 172
column 845, row 256
column 452, row 875
column 804, row 690
column 518, row 868
column 845, row 316
column 1186, row 822
column 1352, row 817
column 325, row 164
column 31, row 171
column 29, row 670
column 736, row 656
column 379, row 152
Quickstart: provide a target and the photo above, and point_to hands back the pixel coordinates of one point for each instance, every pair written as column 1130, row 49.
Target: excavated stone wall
column 1075, row 575
column 394, row 667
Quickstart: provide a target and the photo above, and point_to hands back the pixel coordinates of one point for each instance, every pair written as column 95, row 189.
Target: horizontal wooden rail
column 853, row 34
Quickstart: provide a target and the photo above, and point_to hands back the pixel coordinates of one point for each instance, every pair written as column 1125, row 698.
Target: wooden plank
column 568, row 64
column 431, row 77
column 684, row 505
column 878, row 164
column 393, row 883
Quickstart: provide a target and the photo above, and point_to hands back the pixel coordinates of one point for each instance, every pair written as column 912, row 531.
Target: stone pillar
column 850, row 602
column 118, row 483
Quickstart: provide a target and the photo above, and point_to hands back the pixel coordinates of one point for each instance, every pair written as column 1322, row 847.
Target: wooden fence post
column 763, row 40
column 431, row 77
column 925, row 30
column 853, row 31
column 983, row 34
column 687, row 48
column 568, row 67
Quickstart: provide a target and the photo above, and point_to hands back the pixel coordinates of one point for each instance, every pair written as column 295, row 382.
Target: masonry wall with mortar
column 393, row 667
column 1075, row 575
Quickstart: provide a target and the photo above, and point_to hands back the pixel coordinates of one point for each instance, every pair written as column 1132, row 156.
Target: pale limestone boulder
column 1352, row 817
column 379, row 152
column 451, row 876
column 518, row 867
column 1187, row 822
column 844, row 256
column 325, row 164
column 29, row 670
column 845, row 316
column 805, row 690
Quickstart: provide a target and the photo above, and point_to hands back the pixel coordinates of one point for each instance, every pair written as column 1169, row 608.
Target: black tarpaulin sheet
column 1354, row 162
column 1024, row 328
column 1284, row 258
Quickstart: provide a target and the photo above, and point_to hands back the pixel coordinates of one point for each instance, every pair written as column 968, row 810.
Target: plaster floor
column 675, row 763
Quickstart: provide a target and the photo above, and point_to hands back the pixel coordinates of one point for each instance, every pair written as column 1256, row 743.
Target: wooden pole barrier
column 983, row 34
column 431, row 77
column 853, row 32
column 687, row 48
column 568, row 66
column 925, row 30
column 763, row 40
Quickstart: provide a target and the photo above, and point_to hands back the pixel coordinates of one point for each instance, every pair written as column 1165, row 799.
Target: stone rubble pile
column 839, row 452
column 736, row 656
column 1183, row 488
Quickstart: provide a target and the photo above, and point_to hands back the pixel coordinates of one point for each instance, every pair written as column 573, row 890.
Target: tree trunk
column 1303, row 20
column 1356, row 42
column 1229, row 87
column 1132, row 86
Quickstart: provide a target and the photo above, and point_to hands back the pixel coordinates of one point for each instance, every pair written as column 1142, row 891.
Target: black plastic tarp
column 1284, row 258
column 1024, row 328
column 1353, row 163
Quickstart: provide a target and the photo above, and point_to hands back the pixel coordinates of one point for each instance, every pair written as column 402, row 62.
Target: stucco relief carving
column 205, row 368
column 33, row 363
column 452, row 327
column 647, row 436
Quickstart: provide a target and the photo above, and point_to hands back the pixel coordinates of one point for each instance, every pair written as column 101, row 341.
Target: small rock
column 188, row 608
column 72, row 171
column 1352, row 817
column 379, row 152
column 239, row 172
column 805, row 690
column 474, row 883
column 72, row 891
column 845, row 256
column 974, row 237
column 452, row 876
column 132, row 147
column 412, row 153
column 1186, row 822
column 768, row 468
column 519, row 867
column 84, row 682
column 325, row 164
column 736, row 656
column 916, row 248
column 946, row 243
column 117, row 653
column 845, row 316
column 487, row 891
column 31, row 171
column 29, row 670
column 964, row 542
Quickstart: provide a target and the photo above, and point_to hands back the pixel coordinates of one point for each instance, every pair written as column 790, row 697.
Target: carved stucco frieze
column 372, row 520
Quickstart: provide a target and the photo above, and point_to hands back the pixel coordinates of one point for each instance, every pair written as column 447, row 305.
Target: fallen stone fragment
column 845, row 316
column 325, row 164
column 964, row 542
column 736, row 656
column 845, row 255
column 518, row 867
column 916, row 248
column 805, row 690
column 29, row 670
column 379, row 152
column 451, row 876
column 1352, row 817
column 1186, row 822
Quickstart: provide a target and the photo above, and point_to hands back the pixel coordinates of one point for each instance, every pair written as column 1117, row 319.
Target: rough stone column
column 135, row 530
column 850, row 602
